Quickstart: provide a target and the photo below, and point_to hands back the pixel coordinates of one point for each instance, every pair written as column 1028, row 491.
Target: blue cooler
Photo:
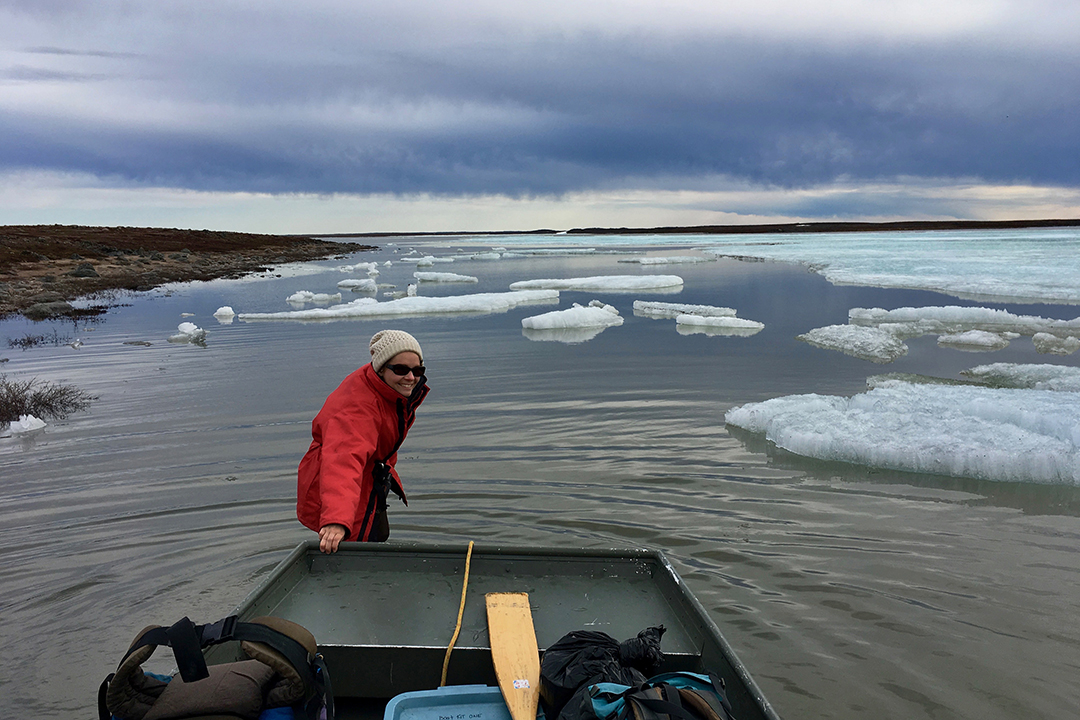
column 454, row 702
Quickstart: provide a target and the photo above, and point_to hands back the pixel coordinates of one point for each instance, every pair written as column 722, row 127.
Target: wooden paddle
column 514, row 652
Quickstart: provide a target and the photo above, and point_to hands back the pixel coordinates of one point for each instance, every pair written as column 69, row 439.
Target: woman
column 346, row 474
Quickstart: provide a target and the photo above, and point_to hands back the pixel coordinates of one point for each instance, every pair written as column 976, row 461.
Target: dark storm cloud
column 549, row 114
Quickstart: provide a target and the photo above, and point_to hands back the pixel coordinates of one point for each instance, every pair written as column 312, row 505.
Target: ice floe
column 951, row 319
column 878, row 335
column 224, row 315
column 1048, row 344
column 977, row 340
column 655, row 309
column 557, row 252
column 359, row 285
column 962, row 431
column 698, row 319
column 576, row 324
column 368, row 267
column 1029, row 265
column 671, row 260
column 717, row 325
column 479, row 303
column 595, row 314
column 188, row 332
column 1034, row 377
column 440, row 277
column 604, row 283
column 301, row 297
column 865, row 343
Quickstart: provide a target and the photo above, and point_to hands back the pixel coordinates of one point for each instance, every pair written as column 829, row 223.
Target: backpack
column 671, row 696
column 282, row 668
column 585, row 657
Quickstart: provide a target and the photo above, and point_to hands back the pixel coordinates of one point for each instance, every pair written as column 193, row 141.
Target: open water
column 848, row 592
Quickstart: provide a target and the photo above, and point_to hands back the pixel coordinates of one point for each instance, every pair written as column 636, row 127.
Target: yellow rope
column 460, row 612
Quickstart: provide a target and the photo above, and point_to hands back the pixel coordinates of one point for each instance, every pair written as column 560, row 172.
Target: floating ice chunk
column 187, row 314
column 25, row 424
column 655, row 309
column 602, row 283
column 437, row 277
column 1046, row 343
column 975, row 341
column 865, row 343
column 597, row 314
column 671, row 260
column 413, row 305
column 420, row 261
column 360, row 267
column 359, row 285
column 187, row 332
column 305, row 296
column 912, row 321
column 1035, row 377
column 493, row 255
column 558, row 252
column 716, row 331
column 962, row 431
column 721, row 325
column 224, row 315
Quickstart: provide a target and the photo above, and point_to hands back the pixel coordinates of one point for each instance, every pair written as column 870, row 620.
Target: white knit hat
column 385, row 344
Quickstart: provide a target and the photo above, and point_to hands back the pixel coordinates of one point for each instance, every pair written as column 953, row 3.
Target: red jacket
column 364, row 421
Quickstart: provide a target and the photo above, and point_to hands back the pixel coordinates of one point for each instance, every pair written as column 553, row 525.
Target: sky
column 425, row 115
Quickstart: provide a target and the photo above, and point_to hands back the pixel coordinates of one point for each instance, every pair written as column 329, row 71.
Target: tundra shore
column 45, row 267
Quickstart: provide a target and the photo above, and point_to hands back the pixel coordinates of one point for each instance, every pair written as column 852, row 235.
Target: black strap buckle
column 222, row 630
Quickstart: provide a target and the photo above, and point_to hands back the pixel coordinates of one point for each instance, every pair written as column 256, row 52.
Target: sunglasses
column 404, row 370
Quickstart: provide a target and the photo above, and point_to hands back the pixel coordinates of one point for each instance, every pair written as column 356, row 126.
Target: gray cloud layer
column 379, row 101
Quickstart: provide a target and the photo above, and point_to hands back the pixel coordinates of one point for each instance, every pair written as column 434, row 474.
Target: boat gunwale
column 305, row 553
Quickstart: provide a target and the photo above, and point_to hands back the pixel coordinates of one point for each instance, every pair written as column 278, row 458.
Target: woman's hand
column 330, row 536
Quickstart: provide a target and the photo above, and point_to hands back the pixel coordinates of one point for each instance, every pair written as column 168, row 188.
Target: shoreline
column 44, row 267
column 811, row 227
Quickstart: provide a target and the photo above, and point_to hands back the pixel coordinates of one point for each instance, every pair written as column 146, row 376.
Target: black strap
column 102, row 694
column 188, row 640
column 324, row 690
column 222, row 630
column 716, row 699
column 185, row 639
